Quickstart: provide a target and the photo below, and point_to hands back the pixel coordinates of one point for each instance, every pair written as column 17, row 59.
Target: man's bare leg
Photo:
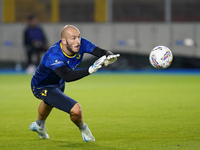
column 44, row 110
column 38, row 126
column 76, row 115
column 77, row 118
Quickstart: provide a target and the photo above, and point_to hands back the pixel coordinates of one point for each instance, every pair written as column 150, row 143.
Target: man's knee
column 76, row 115
column 76, row 110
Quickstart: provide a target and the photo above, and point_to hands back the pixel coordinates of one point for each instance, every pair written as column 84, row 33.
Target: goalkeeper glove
column 97, row 64
column 111, row 59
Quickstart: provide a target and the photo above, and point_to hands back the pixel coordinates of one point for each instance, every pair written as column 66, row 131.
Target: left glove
column 111, row 59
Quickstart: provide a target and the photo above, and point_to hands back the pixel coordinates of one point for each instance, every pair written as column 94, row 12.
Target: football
column 160, row 57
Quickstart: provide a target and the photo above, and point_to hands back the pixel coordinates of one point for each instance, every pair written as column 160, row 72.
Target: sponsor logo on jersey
column 57, row 62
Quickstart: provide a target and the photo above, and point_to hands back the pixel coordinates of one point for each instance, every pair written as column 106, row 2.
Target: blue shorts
column 54, row 96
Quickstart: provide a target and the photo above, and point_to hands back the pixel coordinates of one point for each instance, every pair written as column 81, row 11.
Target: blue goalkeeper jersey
column 54, row 58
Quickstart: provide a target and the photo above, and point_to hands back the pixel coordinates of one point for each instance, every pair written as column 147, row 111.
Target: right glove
column 97, row 64
column 111, row 59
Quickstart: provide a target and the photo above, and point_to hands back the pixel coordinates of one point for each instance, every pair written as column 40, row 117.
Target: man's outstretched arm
column 110, row 57
column 70, row 75
column 100, row 52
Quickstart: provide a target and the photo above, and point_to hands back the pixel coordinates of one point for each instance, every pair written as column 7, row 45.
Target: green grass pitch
column 123, row 111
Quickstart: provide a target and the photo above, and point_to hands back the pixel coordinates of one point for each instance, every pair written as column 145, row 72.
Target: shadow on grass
column 85, row 145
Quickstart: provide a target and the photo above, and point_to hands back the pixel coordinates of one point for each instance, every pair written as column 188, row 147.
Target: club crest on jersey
column 79, row 56
column 57, row 62
column 44, row 93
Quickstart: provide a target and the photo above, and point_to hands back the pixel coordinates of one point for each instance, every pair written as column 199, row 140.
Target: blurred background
column 129, row 27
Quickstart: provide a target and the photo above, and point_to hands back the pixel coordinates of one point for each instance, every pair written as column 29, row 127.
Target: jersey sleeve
column 53, row 61
column 87, row 46
column 69, row 75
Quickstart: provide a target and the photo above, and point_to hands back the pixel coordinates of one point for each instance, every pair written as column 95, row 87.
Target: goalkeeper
column 57, row 67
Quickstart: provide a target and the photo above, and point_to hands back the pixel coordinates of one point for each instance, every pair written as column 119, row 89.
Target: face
column 73, row 41
column 33, row 22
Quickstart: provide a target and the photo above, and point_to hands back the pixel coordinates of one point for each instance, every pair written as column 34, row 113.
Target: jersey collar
column 65, row 53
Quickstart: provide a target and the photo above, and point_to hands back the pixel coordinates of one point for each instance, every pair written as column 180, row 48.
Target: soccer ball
column 160, row 57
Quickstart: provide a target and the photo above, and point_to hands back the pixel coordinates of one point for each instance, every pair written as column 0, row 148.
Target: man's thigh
column 55, row 97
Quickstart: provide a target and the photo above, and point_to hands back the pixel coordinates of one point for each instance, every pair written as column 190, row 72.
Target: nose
column 78, row 41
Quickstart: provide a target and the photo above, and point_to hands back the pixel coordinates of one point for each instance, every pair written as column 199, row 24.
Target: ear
column 63, row 40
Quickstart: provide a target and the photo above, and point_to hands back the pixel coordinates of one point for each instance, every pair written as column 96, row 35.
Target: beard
column 69, row 47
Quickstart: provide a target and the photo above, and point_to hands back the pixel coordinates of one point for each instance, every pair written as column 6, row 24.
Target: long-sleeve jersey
column 56, row 66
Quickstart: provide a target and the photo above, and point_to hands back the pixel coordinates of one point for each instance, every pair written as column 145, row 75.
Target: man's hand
column 97, row 64
column 111, row 59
